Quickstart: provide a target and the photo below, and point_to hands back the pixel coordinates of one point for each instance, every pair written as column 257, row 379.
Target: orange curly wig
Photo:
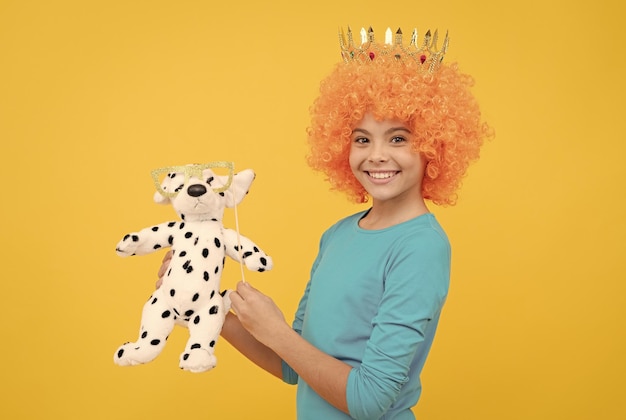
column 439, row 109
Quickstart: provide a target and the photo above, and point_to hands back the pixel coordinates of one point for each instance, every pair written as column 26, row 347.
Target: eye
column 180, row 187
column 398, row 139
column 361, row 140
column 209, row 180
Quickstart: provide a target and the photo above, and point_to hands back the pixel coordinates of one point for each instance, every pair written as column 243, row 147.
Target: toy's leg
column 157, row 322
column 204, row 330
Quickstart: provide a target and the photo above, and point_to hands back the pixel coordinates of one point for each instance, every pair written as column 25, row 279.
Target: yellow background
column 95, row 94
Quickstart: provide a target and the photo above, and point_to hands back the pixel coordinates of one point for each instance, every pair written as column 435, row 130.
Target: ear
column 167, row 184
column 239, row 187
column 161, row 199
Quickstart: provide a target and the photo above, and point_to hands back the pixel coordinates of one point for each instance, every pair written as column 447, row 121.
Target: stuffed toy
column 189, row 294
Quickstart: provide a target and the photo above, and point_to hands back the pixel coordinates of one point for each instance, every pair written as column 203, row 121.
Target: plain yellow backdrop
column 95, row 94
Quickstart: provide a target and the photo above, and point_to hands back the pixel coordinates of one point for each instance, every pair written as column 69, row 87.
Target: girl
column 395, row 125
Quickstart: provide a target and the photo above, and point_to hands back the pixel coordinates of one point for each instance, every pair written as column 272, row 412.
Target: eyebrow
column 389, row 131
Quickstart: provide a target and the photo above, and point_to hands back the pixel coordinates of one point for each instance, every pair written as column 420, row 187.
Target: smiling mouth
column 381, row 175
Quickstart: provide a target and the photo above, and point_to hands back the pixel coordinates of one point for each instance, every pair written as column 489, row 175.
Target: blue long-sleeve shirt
column 373, row 301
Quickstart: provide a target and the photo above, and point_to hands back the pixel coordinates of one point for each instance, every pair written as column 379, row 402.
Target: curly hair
column 439, row 109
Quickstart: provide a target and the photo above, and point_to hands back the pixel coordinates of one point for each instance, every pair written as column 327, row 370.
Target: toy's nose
column 196, row 190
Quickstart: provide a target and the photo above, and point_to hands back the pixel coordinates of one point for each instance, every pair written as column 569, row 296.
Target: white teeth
column 381, row 175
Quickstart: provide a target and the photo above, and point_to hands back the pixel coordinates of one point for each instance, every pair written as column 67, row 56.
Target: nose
column 377, row 153
column 196, row 190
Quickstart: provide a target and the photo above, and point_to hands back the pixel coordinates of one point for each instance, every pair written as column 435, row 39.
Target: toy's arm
column 147, row 240
column 254, row 258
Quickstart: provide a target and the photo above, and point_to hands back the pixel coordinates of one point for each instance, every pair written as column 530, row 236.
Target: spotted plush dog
column 190, row 291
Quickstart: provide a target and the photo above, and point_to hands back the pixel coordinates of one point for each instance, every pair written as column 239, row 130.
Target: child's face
column 384, row 162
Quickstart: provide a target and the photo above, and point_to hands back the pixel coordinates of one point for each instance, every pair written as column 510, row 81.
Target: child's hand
column 165, row 264
column 257, row 313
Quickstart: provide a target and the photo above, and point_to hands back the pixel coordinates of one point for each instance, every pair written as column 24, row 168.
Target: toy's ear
column 239, row 187
column 169, row 182
column 160, row 198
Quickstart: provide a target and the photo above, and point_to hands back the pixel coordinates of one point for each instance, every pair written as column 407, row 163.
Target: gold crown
column 427, row 55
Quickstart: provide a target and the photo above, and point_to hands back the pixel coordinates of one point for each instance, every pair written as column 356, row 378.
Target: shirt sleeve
column 415, row 288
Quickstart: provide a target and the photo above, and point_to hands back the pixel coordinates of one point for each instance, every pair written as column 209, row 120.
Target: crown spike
column 444, row 47
column 426, row 43
column 388, row 37
column 350, row 38
column 414, row 38
column 398, row 40
column 342, row 39
column 433, row 44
